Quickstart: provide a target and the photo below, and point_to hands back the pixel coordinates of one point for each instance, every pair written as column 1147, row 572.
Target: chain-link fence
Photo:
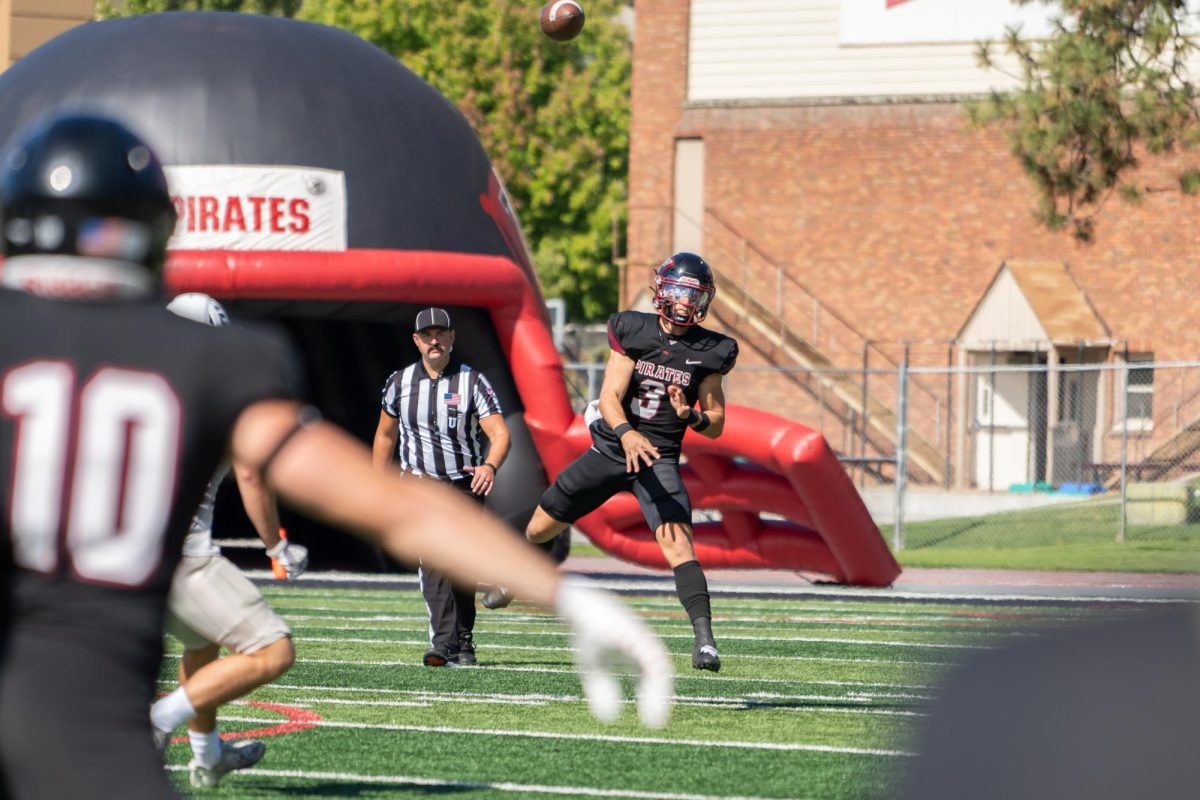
column 1001, row 449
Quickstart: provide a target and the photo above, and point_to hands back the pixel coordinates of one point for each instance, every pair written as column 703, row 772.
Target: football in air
column 562, row 20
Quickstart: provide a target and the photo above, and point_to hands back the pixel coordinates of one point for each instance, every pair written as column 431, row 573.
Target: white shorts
column 212, row 602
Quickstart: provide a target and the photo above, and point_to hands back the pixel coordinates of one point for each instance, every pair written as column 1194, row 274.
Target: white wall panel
column 1004, row 317
column 780, row 49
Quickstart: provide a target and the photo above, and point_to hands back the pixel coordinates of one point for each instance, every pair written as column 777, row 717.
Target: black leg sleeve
column 692, row 588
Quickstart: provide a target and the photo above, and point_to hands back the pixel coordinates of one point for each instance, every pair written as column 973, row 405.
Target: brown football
column 562, row 20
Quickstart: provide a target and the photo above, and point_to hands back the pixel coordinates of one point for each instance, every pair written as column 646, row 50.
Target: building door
column 1076, row 419
column 1002, row 440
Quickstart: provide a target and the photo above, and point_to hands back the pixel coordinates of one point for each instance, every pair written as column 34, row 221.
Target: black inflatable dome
column 218, row 88
column 207, row 88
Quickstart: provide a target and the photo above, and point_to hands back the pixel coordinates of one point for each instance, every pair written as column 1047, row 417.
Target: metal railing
column 854, row 374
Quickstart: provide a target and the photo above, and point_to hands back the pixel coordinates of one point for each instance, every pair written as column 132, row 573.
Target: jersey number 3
column 650, row 394
column 97, row 460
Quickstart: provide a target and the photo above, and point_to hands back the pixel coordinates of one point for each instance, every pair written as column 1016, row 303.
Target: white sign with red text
column 866, row 22
column 226, row 207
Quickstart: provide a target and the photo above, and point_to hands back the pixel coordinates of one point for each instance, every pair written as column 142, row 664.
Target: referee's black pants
column 451, row 608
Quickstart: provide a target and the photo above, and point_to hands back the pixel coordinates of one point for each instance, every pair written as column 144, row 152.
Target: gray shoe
column 161, row 739
column 235, row 755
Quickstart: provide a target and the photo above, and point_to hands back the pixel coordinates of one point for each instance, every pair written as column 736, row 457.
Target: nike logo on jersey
column 691, row 363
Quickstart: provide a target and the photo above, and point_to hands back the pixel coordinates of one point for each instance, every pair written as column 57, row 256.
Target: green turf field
column 816, row 699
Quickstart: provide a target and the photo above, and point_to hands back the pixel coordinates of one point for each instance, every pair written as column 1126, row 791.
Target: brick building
column 818, row 154
column 25, row 24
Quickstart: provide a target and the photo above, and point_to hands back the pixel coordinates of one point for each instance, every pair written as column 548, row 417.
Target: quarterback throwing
column 662, row 366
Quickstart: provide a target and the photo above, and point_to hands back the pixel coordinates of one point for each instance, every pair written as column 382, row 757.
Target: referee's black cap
column 432, row 318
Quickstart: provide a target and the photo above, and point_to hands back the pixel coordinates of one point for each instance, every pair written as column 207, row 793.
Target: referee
column 436, row 412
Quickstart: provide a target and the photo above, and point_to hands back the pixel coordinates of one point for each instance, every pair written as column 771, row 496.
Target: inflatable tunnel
column 323, row 186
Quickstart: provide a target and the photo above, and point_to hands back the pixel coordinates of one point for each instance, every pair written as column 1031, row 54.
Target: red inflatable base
column 761, row 469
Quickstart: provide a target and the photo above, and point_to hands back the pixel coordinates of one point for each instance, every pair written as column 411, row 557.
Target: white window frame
column 1134, row 424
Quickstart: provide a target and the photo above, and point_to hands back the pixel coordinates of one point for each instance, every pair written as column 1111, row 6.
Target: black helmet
column 683, row 288
column 81, row 185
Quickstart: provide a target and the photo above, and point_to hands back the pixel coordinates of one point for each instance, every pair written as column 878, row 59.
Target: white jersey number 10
column 97, row 460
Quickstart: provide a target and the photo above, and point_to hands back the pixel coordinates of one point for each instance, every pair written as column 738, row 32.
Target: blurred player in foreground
column 1106, row 711
column 213, row 605
column 661, row 366
column 114, row 415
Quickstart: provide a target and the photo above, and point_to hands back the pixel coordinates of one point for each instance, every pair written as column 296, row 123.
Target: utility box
column 1157, row 503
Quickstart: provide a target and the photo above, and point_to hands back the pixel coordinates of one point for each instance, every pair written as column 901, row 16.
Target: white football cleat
column 235, row 755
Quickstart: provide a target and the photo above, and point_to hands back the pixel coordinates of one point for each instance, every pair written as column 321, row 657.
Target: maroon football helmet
column 683, row 289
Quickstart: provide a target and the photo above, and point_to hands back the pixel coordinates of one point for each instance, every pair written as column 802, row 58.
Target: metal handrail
column 825, row 320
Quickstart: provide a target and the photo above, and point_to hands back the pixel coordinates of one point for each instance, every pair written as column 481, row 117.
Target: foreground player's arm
column 618, row 372
column 387, row 433
column 323, row 471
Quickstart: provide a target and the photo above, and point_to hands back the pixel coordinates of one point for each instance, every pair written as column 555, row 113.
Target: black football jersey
column 661, row 360
column 113, row 418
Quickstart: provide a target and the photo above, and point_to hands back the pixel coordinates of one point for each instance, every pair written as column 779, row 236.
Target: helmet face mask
column 683, row 289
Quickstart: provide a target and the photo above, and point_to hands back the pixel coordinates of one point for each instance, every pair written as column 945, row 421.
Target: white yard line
column 308, row 702
column 543, row 699
column 420, row 618
column 660, row 584
column 533, row 696
column 751, row 623
column 732, row 625
column 525, row 788
column 590, row 737
column 726, row 629
column 721, row 635
column 497, row 645
column 706, row 677
column 793, row 613
column 808, row 606
column 715, row 703
column 428, row 698
column 494, row 645
column 403, row 603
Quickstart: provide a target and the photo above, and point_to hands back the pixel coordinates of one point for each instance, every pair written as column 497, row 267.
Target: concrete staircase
column 1170, row 455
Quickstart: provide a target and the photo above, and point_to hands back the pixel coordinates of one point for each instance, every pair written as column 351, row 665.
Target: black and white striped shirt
column 439, row 417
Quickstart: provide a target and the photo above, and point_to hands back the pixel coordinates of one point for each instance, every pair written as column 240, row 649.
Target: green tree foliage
column 1110, row 82
column 553, row 117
